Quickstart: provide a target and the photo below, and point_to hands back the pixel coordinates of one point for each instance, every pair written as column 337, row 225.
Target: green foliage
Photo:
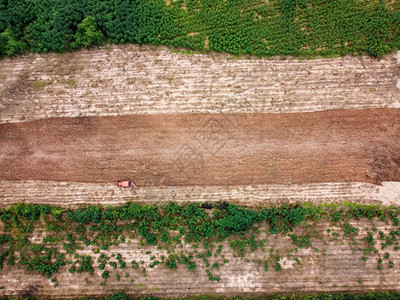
column 170, row 262
column 263, row 28
column 191, row 266
column 5, row 239
column 87, row 34
column 10, row 45
column 91, row 214
column 213, row 278
column 266, row 265
column 215, row 265
column 105, row 274
column 278, row 267
column 170, row 226
column 134, row 264
column 85, row 264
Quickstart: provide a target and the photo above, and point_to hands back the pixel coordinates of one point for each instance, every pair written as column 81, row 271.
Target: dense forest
column 256, row 27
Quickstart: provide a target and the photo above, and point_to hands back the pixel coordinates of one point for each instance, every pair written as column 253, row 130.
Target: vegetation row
column 45, row 239
column 256, row 27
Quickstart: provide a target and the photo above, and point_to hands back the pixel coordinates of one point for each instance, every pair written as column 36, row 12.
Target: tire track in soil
column 207, row 149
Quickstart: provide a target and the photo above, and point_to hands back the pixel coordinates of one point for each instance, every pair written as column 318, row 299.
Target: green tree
column 9, row 46
column 87, row 34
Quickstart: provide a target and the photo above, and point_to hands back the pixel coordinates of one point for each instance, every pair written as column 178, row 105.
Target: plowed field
column 207, row 149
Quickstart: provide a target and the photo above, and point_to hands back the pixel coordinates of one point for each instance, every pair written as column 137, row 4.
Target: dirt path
column 207, row 149
column 126, row 80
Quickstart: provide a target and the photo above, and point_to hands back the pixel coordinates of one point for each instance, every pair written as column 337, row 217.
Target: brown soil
column 207, row 149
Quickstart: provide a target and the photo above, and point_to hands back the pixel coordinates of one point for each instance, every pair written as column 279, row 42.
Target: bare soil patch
column 132, row 79
column 207, row 149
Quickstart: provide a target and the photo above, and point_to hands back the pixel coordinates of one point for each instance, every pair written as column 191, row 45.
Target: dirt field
column 202, row 128
column 126, row 80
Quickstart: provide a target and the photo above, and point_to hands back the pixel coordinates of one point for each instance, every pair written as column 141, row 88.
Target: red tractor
column 126, row 183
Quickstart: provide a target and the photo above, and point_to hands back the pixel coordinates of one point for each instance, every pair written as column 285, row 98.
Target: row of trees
column 295, row 27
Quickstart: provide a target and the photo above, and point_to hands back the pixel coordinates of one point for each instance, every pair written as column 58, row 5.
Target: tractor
column 126, row 183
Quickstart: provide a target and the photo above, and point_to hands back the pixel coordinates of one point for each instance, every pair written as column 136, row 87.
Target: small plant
column 278, row 267
column 266, row 265
column 391, row 264
column 215, row 265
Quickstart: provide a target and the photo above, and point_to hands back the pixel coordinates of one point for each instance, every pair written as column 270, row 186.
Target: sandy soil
column 125, row 80
column 203, row 149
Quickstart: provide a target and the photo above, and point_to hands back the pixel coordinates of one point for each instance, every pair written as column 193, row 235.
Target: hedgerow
column 163, row 231
column 263, row 28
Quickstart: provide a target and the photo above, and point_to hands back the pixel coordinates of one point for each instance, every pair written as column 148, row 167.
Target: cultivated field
column 131, row 79
column 341, row 268
column 204, row 128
